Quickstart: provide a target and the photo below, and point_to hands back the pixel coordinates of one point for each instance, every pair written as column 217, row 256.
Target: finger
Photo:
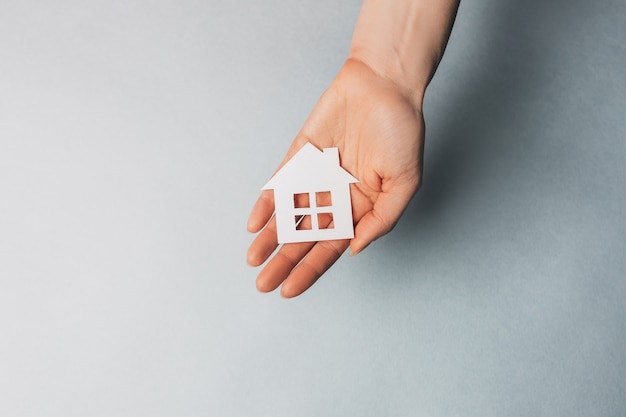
column 380, row 220
column 288, row 257
column 263, row 245
column 281, row 264
column 261, row 212
column 321, row 257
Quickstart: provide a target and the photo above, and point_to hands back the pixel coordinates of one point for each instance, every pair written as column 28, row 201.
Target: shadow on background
column 507, row 74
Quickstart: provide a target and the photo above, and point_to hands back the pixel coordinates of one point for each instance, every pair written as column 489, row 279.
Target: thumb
column 380, row 220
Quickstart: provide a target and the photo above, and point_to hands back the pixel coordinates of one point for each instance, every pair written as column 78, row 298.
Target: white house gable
column 312, row 197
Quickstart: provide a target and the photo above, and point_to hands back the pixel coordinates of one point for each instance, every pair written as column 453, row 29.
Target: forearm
column 404, row 40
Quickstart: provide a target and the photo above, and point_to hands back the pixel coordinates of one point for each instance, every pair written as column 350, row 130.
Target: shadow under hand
column 478, row 143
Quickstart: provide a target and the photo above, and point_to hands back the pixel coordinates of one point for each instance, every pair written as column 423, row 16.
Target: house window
column 301, row 200
column 325, row 221
column 303, row 222
column 323, row 199
column 313, row 211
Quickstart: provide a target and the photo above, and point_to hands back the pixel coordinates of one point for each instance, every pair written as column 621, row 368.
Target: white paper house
column 317, row 175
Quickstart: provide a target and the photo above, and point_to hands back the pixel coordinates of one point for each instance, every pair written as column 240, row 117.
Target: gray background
column 135, row 135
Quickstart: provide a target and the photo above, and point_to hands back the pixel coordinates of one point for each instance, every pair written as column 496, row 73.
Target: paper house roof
column 310, row 169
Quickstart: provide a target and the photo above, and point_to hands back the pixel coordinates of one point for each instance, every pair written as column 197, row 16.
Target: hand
column 379, row 131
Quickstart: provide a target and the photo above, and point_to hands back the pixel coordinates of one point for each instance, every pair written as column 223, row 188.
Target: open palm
column 380, row 135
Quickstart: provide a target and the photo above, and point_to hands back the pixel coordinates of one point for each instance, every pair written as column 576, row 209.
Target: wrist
column 410, row 85
column 403, row 41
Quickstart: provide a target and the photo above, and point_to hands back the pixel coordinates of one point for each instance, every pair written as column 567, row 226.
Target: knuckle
column 385, row 225
column 329, row 246
column 291, row 261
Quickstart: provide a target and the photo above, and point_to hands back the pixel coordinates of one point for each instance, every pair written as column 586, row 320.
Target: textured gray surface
column 134, row 137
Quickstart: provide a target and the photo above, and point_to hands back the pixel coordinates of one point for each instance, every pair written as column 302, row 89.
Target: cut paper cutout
column 312, row 197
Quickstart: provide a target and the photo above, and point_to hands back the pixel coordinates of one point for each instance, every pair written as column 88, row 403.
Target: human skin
column 372, row 112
